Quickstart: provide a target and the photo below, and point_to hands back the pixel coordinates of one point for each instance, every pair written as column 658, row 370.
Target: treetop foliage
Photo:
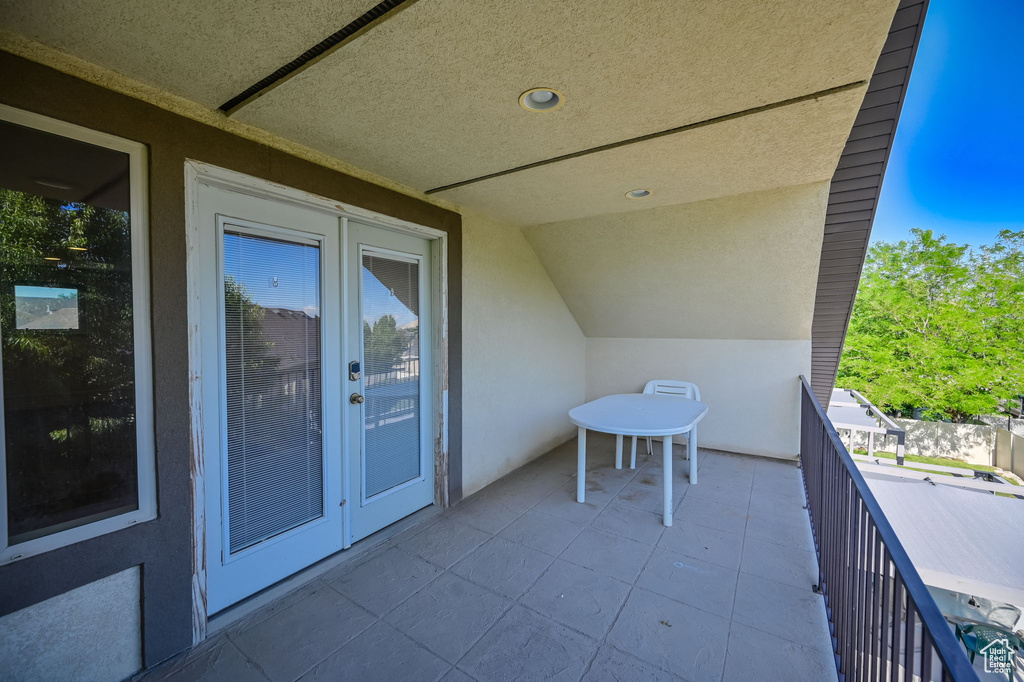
column 939, row 326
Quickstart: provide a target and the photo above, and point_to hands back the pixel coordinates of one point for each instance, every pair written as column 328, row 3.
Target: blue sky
column 957, row 163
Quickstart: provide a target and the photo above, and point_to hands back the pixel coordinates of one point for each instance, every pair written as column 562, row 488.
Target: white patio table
column 638, row 414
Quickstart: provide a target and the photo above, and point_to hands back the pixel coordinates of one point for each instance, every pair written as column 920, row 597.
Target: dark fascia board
column 853, row 197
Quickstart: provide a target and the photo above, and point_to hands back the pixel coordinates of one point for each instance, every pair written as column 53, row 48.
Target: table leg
column 666, row 448
column 691, row 447
column 581, row 465
column 618, row 451
column 632, row 454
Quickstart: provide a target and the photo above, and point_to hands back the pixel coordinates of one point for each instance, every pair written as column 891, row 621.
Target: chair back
column 680, row 389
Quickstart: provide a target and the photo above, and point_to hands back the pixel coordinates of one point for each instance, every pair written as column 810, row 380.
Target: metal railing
column 884, row 623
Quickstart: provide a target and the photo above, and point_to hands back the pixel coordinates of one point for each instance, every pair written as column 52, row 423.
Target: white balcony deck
column 520, row 582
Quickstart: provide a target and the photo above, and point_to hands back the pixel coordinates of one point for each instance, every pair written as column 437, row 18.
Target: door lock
column 356, row 399
column 353, row 371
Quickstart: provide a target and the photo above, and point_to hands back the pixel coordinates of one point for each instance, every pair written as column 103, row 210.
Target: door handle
column 356, row 399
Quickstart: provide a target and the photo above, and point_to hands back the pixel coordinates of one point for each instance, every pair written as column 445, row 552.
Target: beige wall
column 751, row 387
column 523, row 354
column 737, row 267
column 718, row 292
column 92, row 633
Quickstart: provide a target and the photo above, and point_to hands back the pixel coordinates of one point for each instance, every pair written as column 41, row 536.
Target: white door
column 304, row 453
column 390, row 401
column 270, row 378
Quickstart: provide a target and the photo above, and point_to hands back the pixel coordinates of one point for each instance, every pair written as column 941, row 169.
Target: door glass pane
column 67, row 323
column 272, row 349
column 391, row 365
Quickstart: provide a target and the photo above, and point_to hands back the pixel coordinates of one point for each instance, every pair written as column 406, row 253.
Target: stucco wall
column 718, row 292
column 737, row 267
column 523, row 354
column 751, row 387
column 90, row 633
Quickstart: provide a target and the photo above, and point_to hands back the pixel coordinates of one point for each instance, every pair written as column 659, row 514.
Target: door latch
column 356, row 399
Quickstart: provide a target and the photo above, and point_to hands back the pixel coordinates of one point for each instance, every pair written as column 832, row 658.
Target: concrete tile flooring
column 520, row 582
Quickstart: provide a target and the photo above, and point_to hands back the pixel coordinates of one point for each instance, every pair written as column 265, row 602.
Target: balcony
column 521, row 582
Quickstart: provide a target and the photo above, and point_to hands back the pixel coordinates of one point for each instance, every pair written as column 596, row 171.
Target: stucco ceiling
column 791, row 145
column 429, row 96
column 206, row 51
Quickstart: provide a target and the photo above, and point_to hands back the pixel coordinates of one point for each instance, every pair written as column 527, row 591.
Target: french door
column 391, row 426
column 316, row 386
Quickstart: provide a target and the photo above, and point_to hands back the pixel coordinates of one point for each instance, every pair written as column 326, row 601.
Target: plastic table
column 638, row 414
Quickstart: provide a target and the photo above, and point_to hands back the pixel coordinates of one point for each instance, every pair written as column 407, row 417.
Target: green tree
column 939, row 326
column 383, row 345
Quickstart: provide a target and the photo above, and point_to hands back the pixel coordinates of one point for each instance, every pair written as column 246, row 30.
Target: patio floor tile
column 712, row 514
column 578, row 597
column 650, row 498
column 780, row 563
column 290, row 642
column 705, row 543
column 630, row 522
column 721, row 492
column 789, row 612
column 611, row 555
column 781, row 530
column 503, row 566
column 219, row 659
column 385, row 581
column 382, row 654
column 449, row 615
column 526, row 646
column 757, row 655
column 682, row 639
column 698, row 583
column 542, row 532
column 612, row 665
column 484, row 513
column 521, row 582
column 445, row 542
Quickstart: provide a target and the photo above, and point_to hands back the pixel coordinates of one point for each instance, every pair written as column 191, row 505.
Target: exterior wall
column 739, row 267
column 162, row 549
column 524, row 354
column 89, row 633
column 717, row 292
column 751, row 387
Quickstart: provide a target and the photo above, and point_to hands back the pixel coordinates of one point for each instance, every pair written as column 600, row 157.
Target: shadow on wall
column 972, row 443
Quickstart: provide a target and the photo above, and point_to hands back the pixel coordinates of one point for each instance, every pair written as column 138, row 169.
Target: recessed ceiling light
column 541, row 99
column 638, row 193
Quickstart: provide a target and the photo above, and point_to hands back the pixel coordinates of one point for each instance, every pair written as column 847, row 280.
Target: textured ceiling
column 429, row 97
column 737, row 267
column 791, row 145
column 204, row 50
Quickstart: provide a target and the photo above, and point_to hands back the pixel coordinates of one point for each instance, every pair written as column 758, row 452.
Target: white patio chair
column 681, row 389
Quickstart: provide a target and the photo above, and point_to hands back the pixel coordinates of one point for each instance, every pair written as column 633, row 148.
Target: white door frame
column 198, row 173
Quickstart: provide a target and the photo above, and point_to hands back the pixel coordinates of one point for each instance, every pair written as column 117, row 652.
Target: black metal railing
column 884, row 623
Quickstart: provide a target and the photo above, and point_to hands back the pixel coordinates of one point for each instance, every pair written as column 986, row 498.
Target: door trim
column 198, row 173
